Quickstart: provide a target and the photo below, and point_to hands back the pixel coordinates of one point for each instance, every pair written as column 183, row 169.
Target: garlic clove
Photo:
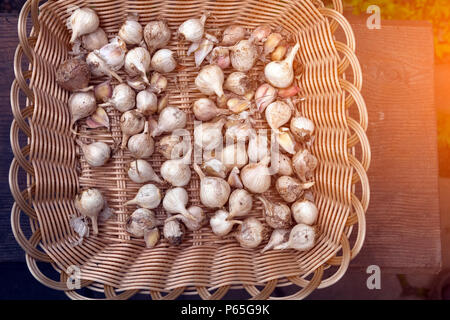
column 220, row 56
column 193, row 29
column 273, row 40
column 291, row 189
column 261, row 33
column 140, row 171
column 286, row 140
column 151, row 237
column 289, row 92
column 131, row 123
column 192, row 225
column 73, row 74
column 175, row 201
column 264, row 95
column 214, row 192
column 80, row 226
column 98, row 119
column 256, row 177
column 131, row 31
column 193, row 47
column 146, row 102
column 234, row 180
column 302, row 237
column 137, row 63
column 277, row 114
column 278, row 237
column 103, row 91
column 96, row 154
column 90, row 203
column 237, row 105
column 140, row 220
column 141, row 145
column 304, row 164
column 174, row 146
column 279, row 52
column 210, row 80
column 94, row 40
column 204, row 48
column 220, row 226
column 156, row 35
column 232, row 35
column 99, row 67
column 282, row 164
column 251, row 233
column 163, row 61
column 243, row 55
column 302, row 128
column 148, row 197
column 305, row 211
column 215, row 168
column 163, row 102
column 158, row 83
column 82, row 21
column 137, row 83
column 277, row 215
column 240, row 203
column 280, row 74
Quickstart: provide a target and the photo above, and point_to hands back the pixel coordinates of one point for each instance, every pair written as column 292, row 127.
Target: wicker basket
column 204, row 264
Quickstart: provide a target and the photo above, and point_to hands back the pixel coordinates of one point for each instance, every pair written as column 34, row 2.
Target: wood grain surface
column 403, row 233
column 403, row 222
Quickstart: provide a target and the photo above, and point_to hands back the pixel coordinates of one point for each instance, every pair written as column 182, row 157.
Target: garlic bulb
column 113, row 53
column 163, row 61
column 264, row 95
column 82, row 21
column 282, row 164
column 208, row 135
column 256, row 176
column 291, row 189
column 234, row 180
column 277, row 114
column 251, row 233
column 137, row 63
column 304, row 164
column 240, row 203
column 90, row 203
column 205, row 109
column 140, row 171
column 99, row 67
column 156, row 35
column 234, row 155
column 131, row 123
column 220, row 56
column 278, row 236
column 261, row 33
column 193, row 29
column 258, row 147
column 170, row 119
column 302, row 128
column 94, row 40
column 131, row 30
column 148, row 197
column 232, row 35
column 238, row 83
column 243, row 55
column 174, row 232
column 173, row 146
column 215, row 168
column 277, row 215
column 158, row 83
column 280, row 73
column 141, row 145
column 214, row 192
column 305, row 211
column 96, row 154
column 175, row 201
column 73, row 74
column 146, row 102
column 177, row 171
column 302, row 237
column 210, row 80
column 140, row 220
column 200, row 218
column 220, row 225
column 123, row 98
column 81, row 105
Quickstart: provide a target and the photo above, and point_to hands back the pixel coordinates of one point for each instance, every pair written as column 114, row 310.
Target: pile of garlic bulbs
column 238, row 163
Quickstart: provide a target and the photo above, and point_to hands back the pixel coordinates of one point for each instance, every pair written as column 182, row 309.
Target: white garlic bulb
column 243, row 55
column 113, row 53
column 208, row 135
column 280, row 74
column 302, row 128
column 123, row 98
column 141, row 145
column 302, row 237
column 137, row 63
column 146, row 102
column 99, row 67
column 278, row 237
column 304, row 164
column 291, row 189
column 131, row 30
column 170, row 119
column 81, row 105
column 251, row 233
column 131, row 123
column 234, row 155
column 238, row 83
column 214, row 192
column 193, row 29
column 305, row 211
column 177, row 171
column 258, row 147
column 90, row 203
column 163, row 61
column 173, row 231
column 140, row 220
column 140, row 171
column 175, row 201
column 94, row 40
column 210, row 80
column 240, row 203
column 96, row 154
column 277, row 114
column 205, row 109
column 256, row 176
column 149, row 196
column 156, row 35
column 277, row 215
column 174, row 146
column 282, row 164
column 220, row 224
column 233, row 34
column 82, row 21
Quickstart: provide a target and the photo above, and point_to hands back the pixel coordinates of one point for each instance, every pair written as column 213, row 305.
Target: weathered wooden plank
column 403, row 224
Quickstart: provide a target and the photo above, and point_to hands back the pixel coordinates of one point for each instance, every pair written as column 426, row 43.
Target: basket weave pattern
column 204, row 264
